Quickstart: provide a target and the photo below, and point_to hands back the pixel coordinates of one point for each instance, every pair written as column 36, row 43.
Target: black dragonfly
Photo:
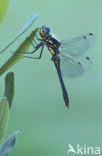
column 66, row 55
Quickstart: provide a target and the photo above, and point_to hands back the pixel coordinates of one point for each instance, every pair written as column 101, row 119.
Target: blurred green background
column 38, row 109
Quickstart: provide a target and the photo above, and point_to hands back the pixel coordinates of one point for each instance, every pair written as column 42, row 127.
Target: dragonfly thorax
column 52, row 45
column 51, row 42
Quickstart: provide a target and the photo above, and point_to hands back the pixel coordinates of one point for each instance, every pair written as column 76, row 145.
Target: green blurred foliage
column 21, row 50
column 9, row 88
column 4, row 115
column 8, row 144
column 3, row 9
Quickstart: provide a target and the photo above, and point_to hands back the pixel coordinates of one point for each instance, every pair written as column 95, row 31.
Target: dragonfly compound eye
column 44, row 31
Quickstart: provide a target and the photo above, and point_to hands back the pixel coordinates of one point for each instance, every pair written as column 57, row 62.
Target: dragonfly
column 67, row 55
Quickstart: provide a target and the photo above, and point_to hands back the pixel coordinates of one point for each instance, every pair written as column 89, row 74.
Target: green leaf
column 3, row 9
column 9, row 87
column 8, row 145
column 28, row 23
column 17, row 55
column 4, row 115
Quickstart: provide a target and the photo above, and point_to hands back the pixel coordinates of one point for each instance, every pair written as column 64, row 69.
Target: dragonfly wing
column 77, row 46
column 72, row 67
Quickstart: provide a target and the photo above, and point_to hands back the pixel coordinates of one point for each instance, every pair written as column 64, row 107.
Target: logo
column 83, row 150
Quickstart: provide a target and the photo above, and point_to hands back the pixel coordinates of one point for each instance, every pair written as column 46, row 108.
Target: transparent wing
column 77, row 46
column 72, row 67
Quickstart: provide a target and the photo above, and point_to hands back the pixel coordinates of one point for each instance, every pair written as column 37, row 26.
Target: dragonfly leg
column 35, row 42
column 32, row 42
column 39, row 39
column 35, row 57
column 35, row 49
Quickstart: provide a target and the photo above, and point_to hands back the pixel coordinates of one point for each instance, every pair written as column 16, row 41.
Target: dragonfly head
column 44, row 31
